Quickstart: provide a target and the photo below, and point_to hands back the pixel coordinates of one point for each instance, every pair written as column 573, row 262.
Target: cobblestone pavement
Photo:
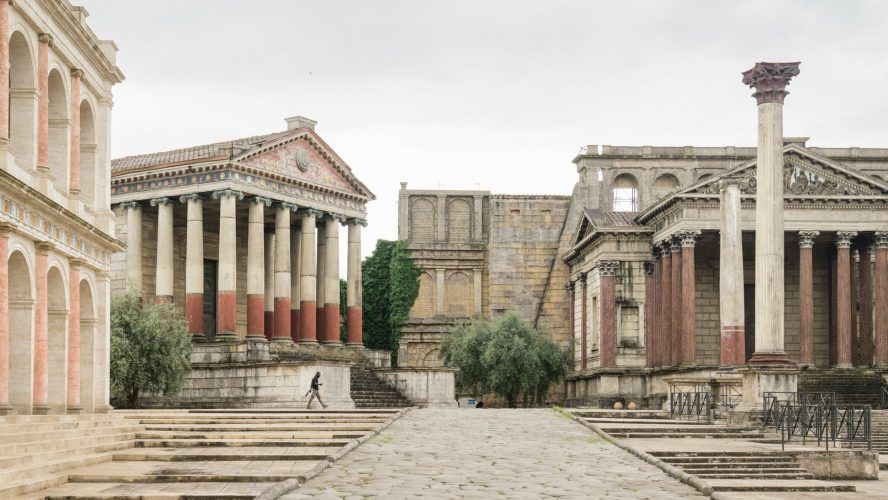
column 437, row 453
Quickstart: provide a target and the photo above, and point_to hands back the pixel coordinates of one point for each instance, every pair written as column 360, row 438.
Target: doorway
column 209, row 299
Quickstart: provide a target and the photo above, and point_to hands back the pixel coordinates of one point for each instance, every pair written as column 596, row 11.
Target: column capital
column 287, row 206
column 730, row 180
column 880, row 239
column 354, row 221
column 806, row 238
column 75, row 264
column 665, row 248
column 130, row 204
column 569, row 286
column 225, row 193
column 339, row 217
column 185, row 198
column 770, row 80
column 261, row 200
column 608, row 267
column 581, row 279
column 43, row 247
column 303, row 211
column 160, row 201
column 843, row 238
column 77, row 73
column 675, row 243
column 689, row 238
column 648, row 268
column 45, row 38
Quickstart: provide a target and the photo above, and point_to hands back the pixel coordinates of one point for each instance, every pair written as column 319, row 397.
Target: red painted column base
column 256, row 316
column 355, row 325
column 733, row 346
column 269, row 324
column 194, row 314
column 282, row 319
column 295, row 324
column 308, row 313
column 331, row 324
column 226, row 314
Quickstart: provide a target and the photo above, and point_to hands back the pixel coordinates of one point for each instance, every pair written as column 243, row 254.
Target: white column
column 307, row 278
column 331, row 281
column 268, row 266
column 282, row 273
column 133, row 246
column 226, row 303
column 164, row 272
column 295, row 278
column 353, row 294
column 731, row 306
column 256, row 268
column 194, row 264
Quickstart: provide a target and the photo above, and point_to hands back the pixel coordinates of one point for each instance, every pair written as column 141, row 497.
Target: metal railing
column 695, row 404
column 773, row 413
column 884, row 400
column 848, row 425
column 395, row 382
column 729, row 397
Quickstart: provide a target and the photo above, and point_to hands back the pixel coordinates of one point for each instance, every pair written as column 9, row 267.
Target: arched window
column 458, row 295
column 22, row 100
column 459, row 221
column 58, row 131
column 422, row 221
column 625, row 191
column 665, row 184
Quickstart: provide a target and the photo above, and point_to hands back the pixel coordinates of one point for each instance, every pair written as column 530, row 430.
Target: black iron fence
column 773, row 403
column 694, row 404
column 884, row 400
column 850, row 425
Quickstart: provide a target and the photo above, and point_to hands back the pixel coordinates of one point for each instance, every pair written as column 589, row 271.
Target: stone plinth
column 756, row 382
column 426, row 387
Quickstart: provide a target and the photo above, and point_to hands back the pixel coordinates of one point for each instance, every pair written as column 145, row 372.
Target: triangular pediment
column 587, row 226
column 805, row 174
column 305, row 157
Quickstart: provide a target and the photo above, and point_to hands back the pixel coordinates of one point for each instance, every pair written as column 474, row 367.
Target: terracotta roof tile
column 613, row 219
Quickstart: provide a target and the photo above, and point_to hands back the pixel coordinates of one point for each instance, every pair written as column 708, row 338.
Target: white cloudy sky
column 492, row 94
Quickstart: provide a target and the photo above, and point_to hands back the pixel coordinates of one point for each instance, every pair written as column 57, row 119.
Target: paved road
column 490, row 453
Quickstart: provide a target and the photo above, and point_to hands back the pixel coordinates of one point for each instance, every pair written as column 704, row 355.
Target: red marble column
column 806, row 297
column 76, row 75
column 4, row 72
column 657, row 328
column 74, row 337
column 4, row 303
column 41, row 330
column 649, row 322
column 843, row 299
column 43, row 103
column 865, row 331
column 583, row 321
column 855, row 301
column 833, row 311
column 677, row 338
column 881, row 247
column 689, row 297
column 607, row 282
column 666, row 305
column 569, row 286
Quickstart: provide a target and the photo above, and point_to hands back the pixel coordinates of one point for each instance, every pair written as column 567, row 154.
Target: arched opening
column 422, row 221
column 22, row 100
column 88, row 329
column 424, row 307
column 458, row 294
column 625, row 191
column 57, row 346
column 665, row 184
column 59, row 131
column 432, row 359
column 459, row 221
column 88, row 148
column 21, row 334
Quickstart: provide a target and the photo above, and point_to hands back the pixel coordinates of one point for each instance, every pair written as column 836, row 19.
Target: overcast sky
column 492, row 94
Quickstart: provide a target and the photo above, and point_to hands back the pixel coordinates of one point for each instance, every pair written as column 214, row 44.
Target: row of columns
column 671, row 300
column 607, row 327
column 45, row 41
column 40, row 401
column 292, row 291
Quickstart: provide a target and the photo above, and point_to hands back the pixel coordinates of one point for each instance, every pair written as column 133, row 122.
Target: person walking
column 315, row 387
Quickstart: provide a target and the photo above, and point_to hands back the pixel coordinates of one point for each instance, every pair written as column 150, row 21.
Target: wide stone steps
column 189, row 443
column 638, row 434
column 61, row 444
column 779, row 486
column 751, row 466
column 152, row 491
column 57, row 435
column 220, row 454
column 625, row 414
column 231, row 471
column 369, row 391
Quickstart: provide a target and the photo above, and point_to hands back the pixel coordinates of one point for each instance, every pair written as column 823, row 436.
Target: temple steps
column 369, row 391
column 190, row 443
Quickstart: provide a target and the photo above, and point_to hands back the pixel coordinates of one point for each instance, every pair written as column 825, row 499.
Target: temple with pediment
column 243, row 235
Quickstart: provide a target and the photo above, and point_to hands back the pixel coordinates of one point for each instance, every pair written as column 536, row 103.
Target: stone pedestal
column 756, row 382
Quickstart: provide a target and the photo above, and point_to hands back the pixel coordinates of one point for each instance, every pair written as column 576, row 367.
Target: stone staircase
column 210, row 453
column 880, row 431
column 660, row 426
column 35, row 451
column 369, row 391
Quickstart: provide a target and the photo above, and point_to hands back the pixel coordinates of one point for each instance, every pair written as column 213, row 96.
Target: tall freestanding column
column 43, row 103
column 331, row 281
column 648, row 317
column 268, row 281
column 282, row 273
column 295, row 277
column 584, row 322
column 844, row 340
column 866, row 306
column 656, row 345
column 570, row 287
column 133, row 246
column 74, row 182
column 881, row 249
column 5, row 228
column 806, row 297
column 164, row 272
column 194, row 265
column 41, row 330
column 321, row 278
column 666, row 338
column 226, row 302
column 607, row 290
column 73, row 401
column 732, row 346
column 308, row 278
column 677, row 311
column 256, row 268
column 354, row 286
column 688, row 297
column 4, row 73
column 769, row 81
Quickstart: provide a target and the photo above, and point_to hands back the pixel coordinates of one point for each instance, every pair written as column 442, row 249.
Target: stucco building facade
column 56, row 225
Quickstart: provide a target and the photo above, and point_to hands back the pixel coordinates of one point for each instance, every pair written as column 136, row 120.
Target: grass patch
column 562, row 412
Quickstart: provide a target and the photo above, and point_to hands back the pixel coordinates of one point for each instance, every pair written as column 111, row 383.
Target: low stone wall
column 425, row 387
column 648, row 388
column 245, row 375
column 840, row 464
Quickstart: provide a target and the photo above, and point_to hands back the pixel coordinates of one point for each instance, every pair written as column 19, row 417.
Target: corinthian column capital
column 689, row 238
column 806, row 238
column 843, row 238
column 770, row 80
column 880, row 239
